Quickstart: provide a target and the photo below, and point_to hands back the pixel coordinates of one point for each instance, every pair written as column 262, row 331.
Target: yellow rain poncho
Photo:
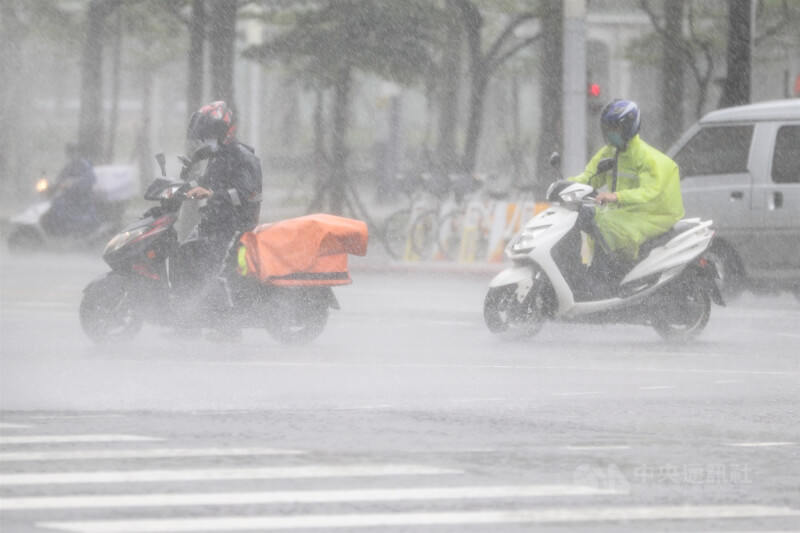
column 648, row 192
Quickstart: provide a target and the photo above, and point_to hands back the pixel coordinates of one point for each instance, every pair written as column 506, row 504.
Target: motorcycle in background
column 116, row 185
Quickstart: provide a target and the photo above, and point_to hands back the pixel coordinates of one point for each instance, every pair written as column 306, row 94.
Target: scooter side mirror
column 162, row 162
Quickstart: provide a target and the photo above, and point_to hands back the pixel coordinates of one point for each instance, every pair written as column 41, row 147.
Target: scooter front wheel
column 505, row 315
column 107, row 313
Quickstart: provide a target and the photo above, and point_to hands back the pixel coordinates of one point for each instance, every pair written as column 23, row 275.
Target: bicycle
column 483, row 227
column 403, row 232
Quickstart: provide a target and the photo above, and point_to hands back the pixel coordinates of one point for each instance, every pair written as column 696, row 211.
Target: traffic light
column 593, row 97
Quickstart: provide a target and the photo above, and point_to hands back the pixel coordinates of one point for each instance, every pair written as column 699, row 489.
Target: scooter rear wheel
column 683, row 313
column 107, row 313
column 297, row 317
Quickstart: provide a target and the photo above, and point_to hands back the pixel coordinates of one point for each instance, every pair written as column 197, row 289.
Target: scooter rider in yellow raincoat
column 643, row 192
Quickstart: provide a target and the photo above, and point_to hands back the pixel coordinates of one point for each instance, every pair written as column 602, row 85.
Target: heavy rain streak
column 430, row 265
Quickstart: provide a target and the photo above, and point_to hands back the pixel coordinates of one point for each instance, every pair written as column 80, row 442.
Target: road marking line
column 57, row 417
column 726, row 381
column 658, row 387
column 289, row 472
column 434, row 366
column 476, row 400
column 576, row 393
column 60, row 439
column 541, row 515
column 599, row 447
column 757, row 444
column 376, row 407
column 141, row 454
column 311, row 496
column 44, row 305
column 8, row 425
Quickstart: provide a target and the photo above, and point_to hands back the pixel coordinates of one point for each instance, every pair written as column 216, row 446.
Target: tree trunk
column 516, row 153
column 113, row 118
column 448, row 95
column 222, row 35
column 320, row 157
column 672, row 74
column 479, row 79
column 12, row 33
column 341, row 104
column 144, row 142
column 90, row 125
column 736, row 87
column 197, row 37
column 552, row 96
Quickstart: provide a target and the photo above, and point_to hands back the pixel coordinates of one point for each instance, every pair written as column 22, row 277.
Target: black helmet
column 619, row 121
column 212, row 123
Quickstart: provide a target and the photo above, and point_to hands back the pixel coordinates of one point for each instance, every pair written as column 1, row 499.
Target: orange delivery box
column 308, row 250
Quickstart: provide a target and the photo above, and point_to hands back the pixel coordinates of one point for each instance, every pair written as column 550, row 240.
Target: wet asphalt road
column 405, row 415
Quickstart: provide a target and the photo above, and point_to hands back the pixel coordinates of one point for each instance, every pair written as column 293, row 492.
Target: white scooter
column 115, row 186
column 670, row 288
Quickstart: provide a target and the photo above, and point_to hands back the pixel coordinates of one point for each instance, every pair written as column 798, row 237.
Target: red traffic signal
column 593, row 90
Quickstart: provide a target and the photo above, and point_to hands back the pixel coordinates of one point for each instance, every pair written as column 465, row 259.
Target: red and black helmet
column 213, row 121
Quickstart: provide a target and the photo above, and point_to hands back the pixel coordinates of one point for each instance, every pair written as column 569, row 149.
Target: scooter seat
column 646, row 247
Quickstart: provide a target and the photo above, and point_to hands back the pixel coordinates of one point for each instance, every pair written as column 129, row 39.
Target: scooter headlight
column 524, row 241
column 121, row 239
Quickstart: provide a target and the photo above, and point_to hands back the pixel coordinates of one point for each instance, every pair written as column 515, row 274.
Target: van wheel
column 731, row 274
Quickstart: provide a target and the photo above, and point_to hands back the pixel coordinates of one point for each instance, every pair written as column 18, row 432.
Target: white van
column 740, row 166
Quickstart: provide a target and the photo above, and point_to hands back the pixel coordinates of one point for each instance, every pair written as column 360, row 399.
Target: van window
column 716, row 150
column 786, row 161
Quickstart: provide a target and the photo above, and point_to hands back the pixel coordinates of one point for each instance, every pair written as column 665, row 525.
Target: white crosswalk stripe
column 307, row 496
column 218, row 474
column 327, row 522
column 9, row 425
column 152, row 453
column 71, row 439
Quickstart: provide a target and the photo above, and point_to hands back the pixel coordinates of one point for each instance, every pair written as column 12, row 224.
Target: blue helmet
column 619, row 121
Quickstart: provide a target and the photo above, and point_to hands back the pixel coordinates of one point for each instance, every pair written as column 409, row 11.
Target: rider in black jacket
column 231, row 188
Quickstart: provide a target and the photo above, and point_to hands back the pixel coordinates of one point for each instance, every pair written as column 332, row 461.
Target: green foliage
column 153, row 33
column 48, row 21
column 392, row 39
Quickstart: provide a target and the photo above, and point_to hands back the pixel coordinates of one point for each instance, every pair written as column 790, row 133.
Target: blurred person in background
column 73, row 209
